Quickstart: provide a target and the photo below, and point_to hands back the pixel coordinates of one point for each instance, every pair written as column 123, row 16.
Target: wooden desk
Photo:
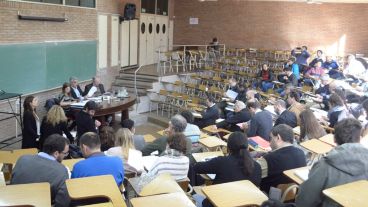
column 161, row 133
column 164, row 200
column 96, row 186
column 199, row 157
column 239, row 193
column 35, row 194
column 212, row 142
column 296, row 130
column 203, row 135
column 316, row 146
column 329, row 139
column 212, row 129
column 291, row 174
column 353, row 194
column 70, row 163
column 107, row 108
column 149, row 138
column 109, row 204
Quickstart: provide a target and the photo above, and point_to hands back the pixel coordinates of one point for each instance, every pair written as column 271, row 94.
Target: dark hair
column 309, row 126
column 210, row 98
column 276, row 203
column 91, row 140
column 295, row 95
column 292, row 59
column 188, row 116
column 27, row 103
column 341, row 93
column 107, row 136
column 127, row 123
column 320, row 51
column 347, row 131
column 287, row 69
column 214, row 39
column 238, row 145
column 90, row 105
column 178, row 142
column 253, row 104
column 285, row 131
column 65, row 85
column 335, row 100
column 305, row 47
column 54, row 143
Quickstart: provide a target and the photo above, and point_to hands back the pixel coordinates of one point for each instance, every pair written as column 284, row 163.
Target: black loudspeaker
column 129, row 11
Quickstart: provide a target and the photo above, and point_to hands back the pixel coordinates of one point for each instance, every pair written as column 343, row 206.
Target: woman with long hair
column 337, row 107
column 123, row 142
column 309, row 126
column 65, row 97
column 55, row 122
column 31, row 123
column 238, row 165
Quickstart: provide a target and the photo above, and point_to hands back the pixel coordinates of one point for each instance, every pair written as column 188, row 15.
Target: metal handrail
column 135, row 84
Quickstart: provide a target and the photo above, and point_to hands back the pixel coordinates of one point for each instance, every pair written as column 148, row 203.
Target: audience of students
column 138, row 140
column 344, row 164
column 174, row 160
column 260, row 123
column 284, row 116
column 46, row 167
column 284, row 156
column 237, row 165
column 55, row 122
column 96, row 162
column 31, row 123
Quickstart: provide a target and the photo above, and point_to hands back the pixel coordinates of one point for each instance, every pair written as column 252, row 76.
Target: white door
column 114, row 57
column 161, row 35
column 102, row 41
column 143, row 28
column 171, row 35
column 150, row 56
column 124, row 44
column 133, row 46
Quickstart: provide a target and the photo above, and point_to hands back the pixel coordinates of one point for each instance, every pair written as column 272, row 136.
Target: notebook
column 261, row 143
column 231, row 94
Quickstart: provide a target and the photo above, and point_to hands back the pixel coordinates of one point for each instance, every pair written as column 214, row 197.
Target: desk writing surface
column 353, row 194
column 291, row 174
column 149, row 138
column 296, row 130
column 316, row 146
column 239, row 193
column 211, row 142
column 329, row 139
column 165, row 200
column 71, row 162
column 25, row 194
column 199, row 157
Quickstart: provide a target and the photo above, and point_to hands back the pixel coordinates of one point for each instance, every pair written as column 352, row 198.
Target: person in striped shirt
column 174, row 161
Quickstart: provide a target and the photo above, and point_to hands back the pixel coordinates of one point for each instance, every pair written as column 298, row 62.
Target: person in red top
column 314, row 74
column 266, row 77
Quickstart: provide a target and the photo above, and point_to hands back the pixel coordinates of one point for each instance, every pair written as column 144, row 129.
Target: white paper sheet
column 92, row 91
column 302, row 174
column 148, row 161
column 135, row 159
column 231, row 94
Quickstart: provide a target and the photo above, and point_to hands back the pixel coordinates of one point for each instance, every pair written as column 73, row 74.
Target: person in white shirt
column 354, row 68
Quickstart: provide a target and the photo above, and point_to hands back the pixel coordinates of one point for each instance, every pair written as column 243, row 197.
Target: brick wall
column 274, row 25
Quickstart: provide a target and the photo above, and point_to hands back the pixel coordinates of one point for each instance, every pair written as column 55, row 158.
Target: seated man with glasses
column 46, row 167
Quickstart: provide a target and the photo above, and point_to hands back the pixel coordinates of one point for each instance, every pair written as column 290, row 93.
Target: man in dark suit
column 261, row 122
column 210, row 115
column 285, row 116
column 75, row 89
column 96, row 82
column 241, row 115
column 46, row 167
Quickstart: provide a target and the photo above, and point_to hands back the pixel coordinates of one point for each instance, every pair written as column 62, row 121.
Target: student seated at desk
column 46, row 167
column 338, row 110
column 96, row 82
column 107, row 136
column 76, row 90
column 309, row 126
column 285, row 116
column 174, row 160
column 319, row 57
column 123, row 142
column 191, row 131
column 284, row 156
column 313, row 75
column 241, row 115
column 365, row 128
column 177, row 124
column 266, row 77
column 55, row 122
column 65, row 98
column 344, row 164
column 238, row 165
column 210, row 115
column 138, row 140
column 84, row 120
column 96, row 162
column 293, row 100
column 288, row 78
column 260, row 123
column 324, row 91
column 354, row 68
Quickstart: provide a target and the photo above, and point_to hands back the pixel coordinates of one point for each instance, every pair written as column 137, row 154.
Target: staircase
column 126, row 79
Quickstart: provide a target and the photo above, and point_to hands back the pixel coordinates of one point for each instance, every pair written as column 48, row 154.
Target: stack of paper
column 79, row 104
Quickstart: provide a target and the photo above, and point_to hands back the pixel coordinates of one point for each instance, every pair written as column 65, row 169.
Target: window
column 157, row 28
column 81, row 3
column 150, row 28
column 164, row 28
column 143, row 28
column 159, row 7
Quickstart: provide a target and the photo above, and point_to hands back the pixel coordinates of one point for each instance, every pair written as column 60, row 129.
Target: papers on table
column 219, row 120
column 302, row 174
column 79, row 104
column 135, row 159
column 271, row 109
column 197, row 115
column 231, row 94
column 92, row 91
column 230, row 103
column 148, row 161
column 230, row 108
